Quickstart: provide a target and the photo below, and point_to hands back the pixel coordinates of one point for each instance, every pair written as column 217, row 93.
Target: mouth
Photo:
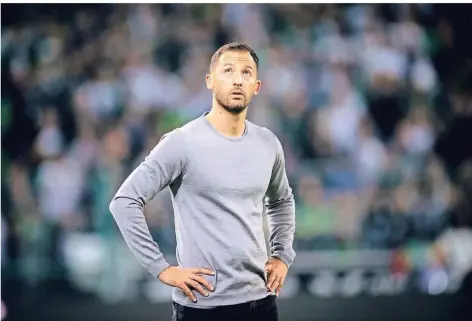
column 237, row 94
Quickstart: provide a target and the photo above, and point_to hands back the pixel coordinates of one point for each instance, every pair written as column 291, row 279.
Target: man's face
column 233, row 81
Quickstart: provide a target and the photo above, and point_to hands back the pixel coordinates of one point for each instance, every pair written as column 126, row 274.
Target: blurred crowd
column 373, row 105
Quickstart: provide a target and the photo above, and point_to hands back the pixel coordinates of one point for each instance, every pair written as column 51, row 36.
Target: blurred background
column 372, row 103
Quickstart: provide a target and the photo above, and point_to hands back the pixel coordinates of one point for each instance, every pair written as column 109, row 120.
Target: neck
column 226, row 123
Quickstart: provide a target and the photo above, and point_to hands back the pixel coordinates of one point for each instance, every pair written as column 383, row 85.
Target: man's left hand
column 276, row 271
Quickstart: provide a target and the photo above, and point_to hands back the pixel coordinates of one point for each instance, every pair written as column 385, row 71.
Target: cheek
column 221, row 91
column 252, row 90
column 223, row 85
column 252, row 85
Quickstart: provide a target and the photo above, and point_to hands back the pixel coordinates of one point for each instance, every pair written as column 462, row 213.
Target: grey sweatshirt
column 219, row 186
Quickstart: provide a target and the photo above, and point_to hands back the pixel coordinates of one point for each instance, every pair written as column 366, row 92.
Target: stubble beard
column 234, row 109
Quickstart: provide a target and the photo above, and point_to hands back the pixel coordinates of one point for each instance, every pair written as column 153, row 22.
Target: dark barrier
column 355, row 290
column 301, row 308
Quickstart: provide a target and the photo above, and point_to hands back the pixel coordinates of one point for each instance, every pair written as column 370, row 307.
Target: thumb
column 268, row 267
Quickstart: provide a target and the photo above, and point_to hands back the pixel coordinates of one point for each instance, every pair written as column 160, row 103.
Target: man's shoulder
column 267, row 137
column 185, row 131
column 263, row 132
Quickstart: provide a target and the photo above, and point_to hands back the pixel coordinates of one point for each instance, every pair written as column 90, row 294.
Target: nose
column 237, row 79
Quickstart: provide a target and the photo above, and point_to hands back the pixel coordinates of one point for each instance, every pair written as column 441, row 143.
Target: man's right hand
column 185, row 279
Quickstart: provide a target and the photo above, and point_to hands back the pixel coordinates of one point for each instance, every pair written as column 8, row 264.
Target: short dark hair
column 234, row 46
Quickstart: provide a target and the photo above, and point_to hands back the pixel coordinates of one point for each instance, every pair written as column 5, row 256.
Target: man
column 220, row 168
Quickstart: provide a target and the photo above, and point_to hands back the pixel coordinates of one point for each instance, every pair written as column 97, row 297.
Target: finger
column 275, row 285
column 197, row 286
column 277, row 292
column 187, row 292
column 202, row 281
column 281, row 282
column 280, row 286
column 271, row 280
column 202, row 271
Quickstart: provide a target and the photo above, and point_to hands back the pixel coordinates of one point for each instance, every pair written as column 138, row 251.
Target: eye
column 227, row 70
column 247, row 72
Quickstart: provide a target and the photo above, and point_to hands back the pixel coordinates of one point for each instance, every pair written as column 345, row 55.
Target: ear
column 257, row 88
column 209, row 81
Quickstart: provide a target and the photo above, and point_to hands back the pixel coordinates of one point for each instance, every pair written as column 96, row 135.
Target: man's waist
column 237, row 294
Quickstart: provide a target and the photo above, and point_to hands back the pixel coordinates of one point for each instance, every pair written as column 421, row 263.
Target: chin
column 235, row 110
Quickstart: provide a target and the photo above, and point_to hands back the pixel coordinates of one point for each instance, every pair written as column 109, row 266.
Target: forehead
column 237, row 57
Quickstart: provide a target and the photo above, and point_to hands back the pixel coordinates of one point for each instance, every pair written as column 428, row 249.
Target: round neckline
column 233, row 139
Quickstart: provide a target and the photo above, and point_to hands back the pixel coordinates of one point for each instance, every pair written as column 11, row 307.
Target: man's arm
column 280, row 208
column 160, row 168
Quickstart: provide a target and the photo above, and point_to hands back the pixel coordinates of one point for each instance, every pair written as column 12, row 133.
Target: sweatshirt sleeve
column 164, row 164
column 280, row 209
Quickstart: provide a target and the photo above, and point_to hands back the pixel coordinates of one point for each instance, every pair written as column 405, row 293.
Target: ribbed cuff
column 157, row 267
